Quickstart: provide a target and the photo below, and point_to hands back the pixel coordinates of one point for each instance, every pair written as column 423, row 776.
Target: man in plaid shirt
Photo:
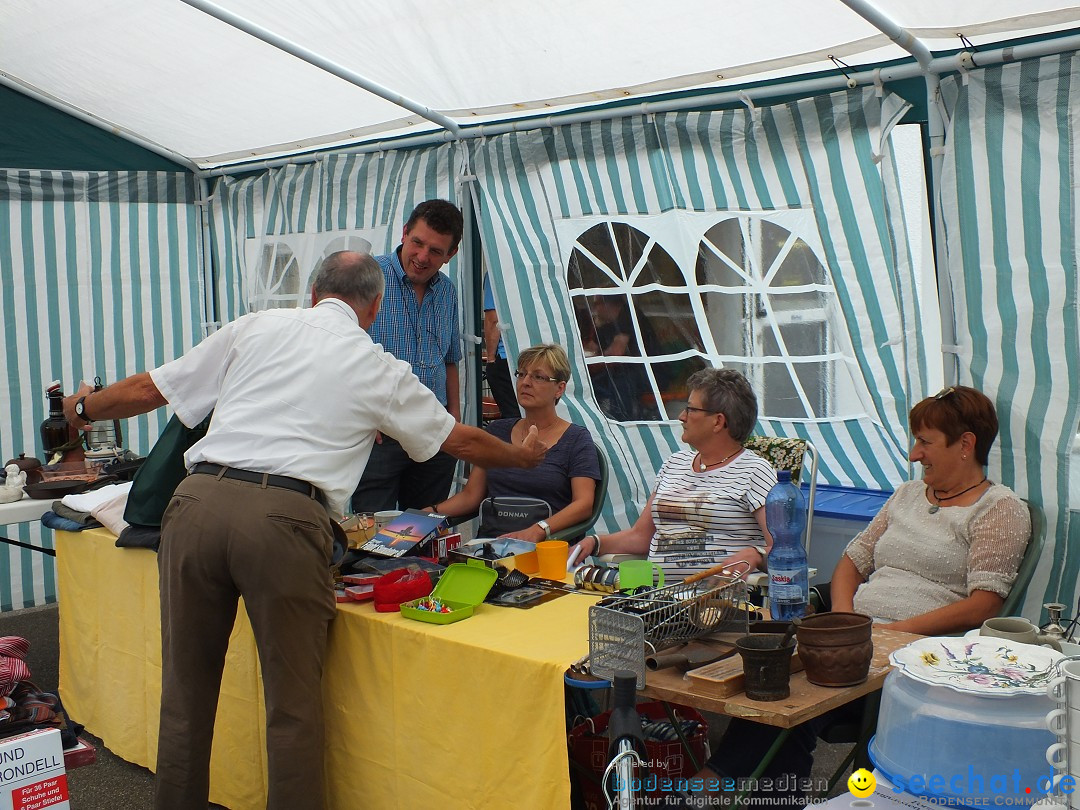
column 418, row 323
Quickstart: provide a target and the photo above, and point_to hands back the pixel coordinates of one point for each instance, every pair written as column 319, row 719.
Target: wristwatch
column 543, row 524
column 80, row 411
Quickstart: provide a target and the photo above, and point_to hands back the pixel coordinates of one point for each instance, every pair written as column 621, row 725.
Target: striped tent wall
column 371, row 192
column 101, row 277
column 830, row 154
column 1010, row 218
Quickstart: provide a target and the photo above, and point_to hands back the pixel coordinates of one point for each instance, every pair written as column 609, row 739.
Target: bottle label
column 784, row 586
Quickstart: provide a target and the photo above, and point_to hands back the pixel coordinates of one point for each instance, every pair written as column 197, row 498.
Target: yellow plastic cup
column 552, row 555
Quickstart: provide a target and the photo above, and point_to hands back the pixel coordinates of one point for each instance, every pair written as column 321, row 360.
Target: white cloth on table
column 110, row 514
column 88, row 501
column 317, row 422
column 915, row 560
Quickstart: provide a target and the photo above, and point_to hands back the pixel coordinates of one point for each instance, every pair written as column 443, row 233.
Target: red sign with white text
column 39, row 795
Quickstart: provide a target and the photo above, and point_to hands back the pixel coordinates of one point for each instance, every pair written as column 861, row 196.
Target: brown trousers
column 222, row 539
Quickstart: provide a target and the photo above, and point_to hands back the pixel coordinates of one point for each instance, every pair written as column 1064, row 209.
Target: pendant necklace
column 935, row 507
column 702, row 466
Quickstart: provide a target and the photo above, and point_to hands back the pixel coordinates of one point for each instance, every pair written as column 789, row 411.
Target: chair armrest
column 615, row 559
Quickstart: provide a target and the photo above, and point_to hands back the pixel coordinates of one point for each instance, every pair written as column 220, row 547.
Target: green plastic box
column 462, row 587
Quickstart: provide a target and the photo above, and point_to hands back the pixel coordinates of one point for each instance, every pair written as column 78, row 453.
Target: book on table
column 408, row 533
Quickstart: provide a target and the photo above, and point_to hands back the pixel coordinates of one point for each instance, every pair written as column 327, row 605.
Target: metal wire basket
column 624, row 630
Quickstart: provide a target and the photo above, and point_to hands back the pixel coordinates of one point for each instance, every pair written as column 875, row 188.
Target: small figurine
column 12, row 487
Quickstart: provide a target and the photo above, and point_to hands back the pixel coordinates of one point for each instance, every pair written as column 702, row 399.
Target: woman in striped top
column 708, row 503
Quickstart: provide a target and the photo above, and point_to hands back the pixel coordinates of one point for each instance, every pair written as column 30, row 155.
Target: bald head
column 354, row 277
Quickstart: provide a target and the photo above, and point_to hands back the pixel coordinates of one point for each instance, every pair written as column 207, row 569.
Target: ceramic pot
column 835, row 648
column 766, row 665
column 31, row 466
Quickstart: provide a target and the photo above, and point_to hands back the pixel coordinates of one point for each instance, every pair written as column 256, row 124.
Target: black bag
column 508, row 514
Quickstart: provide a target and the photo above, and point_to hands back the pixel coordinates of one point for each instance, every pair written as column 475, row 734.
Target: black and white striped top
column 701, row 517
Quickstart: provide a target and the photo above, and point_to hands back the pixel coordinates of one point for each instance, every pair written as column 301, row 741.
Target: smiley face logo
column 861, row 783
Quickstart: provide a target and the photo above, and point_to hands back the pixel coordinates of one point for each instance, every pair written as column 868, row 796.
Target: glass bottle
column 54, row 430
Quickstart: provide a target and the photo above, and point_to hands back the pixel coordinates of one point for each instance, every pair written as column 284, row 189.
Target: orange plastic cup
column 552, row 555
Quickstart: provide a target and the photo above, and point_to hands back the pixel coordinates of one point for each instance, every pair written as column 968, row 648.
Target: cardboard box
column 508, row 553
column 439, row 548
column 32, row 772
column 408, row 533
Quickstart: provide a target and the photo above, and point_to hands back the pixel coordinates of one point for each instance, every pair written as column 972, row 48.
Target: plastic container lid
column 461, row 588
column 466, row 583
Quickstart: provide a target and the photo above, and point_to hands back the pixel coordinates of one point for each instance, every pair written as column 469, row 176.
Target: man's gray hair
column 726, row 391
column 355, row 277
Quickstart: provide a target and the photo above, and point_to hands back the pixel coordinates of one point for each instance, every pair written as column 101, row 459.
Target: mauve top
column 916, row 560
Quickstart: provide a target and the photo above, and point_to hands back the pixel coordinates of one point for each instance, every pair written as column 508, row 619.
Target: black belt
column 279, row 481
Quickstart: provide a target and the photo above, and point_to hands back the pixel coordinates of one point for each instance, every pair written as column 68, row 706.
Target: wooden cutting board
column 725, row 678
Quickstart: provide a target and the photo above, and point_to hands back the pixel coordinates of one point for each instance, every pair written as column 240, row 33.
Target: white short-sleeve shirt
column 301, row 392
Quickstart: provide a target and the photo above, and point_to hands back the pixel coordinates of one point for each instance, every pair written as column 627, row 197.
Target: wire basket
column 624, row 630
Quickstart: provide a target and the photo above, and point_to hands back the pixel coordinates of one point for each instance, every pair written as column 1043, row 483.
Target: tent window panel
column 584, row 272
column 279, row 276
column 781, row 393
column 778, row 395
column 671, row 378
column 799, row 266
column 720, row 252
column 801, row 338
column 727, row 314
column 670, row 321
column 755, row 280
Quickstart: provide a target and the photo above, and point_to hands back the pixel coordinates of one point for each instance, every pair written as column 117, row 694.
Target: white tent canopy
column 191, row 86
column 330, row 120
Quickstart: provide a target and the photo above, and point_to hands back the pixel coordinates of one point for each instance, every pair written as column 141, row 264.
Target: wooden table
column 805, row 702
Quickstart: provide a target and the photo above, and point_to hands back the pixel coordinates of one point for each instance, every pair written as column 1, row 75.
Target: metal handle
column 719, row 569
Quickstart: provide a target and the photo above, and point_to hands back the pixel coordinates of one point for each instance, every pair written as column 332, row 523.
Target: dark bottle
column 785, row 515
column 54, row 430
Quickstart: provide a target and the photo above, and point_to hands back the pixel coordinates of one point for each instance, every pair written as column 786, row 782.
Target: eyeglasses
column 536, row 378
column 944, row 392
column 689, row 408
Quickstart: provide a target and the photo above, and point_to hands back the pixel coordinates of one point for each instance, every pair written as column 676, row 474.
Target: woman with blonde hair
column 566, row 480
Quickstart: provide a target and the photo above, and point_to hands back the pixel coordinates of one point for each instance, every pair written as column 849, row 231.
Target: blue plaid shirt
column 427, row 335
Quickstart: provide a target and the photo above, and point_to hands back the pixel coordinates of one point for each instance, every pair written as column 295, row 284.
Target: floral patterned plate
column 990, row 667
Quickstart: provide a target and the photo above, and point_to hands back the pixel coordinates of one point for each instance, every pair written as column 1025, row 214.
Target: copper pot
column 31, row 466
column 835, row 648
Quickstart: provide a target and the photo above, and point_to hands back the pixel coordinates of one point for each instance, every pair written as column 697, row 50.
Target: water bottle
column 785, row 515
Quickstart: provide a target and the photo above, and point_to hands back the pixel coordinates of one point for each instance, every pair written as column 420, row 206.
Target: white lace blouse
column 915, row 560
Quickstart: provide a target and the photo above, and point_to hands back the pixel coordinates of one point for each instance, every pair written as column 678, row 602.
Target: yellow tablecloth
column 467, row 715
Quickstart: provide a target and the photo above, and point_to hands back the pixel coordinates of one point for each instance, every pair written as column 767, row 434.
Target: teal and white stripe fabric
column 1010, row 219
column 829, row 155
column 101, row 277
column 340, row 202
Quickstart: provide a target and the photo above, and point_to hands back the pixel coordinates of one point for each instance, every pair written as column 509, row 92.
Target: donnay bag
column 508, row 514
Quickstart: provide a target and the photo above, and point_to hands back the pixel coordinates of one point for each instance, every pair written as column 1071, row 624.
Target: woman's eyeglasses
column 536, row 378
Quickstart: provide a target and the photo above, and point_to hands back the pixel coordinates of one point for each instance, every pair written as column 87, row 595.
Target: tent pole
column 210, row 321
column 805, row 87
column 99, row 123
column 936, row 130
column 935, row 124
column 897, row 33
column 312, row 58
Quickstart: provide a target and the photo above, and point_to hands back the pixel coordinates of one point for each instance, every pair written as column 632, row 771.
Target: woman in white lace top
column 943, row 552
